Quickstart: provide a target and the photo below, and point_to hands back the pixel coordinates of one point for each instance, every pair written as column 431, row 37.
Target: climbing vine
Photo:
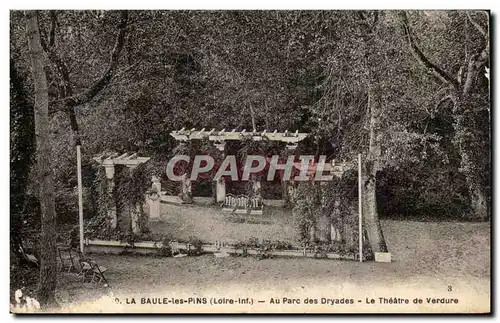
column 336, row 200
column 249, row 147
column 129, row 194
column 305, row 209
column 99, row 226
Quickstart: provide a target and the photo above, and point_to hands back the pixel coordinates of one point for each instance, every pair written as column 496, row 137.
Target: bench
column 242, row 204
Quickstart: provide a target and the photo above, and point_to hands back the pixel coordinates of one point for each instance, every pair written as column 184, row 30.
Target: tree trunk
column 479, row 203
column 471, row 160
column 370, row 213
column 48, row 267
column 369, row 203
column 473, row 163
column 348, row 236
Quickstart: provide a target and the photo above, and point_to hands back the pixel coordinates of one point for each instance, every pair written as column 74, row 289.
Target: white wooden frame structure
column 290, row 138
column 219, row 138
column 127, row 159
column 108, row 161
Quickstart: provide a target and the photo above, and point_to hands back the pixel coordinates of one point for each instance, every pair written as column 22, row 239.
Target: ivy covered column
column 220, row 188
column 109, row 168
column 186, row 190
column 186, row 195
column 256, row 187
column 287, row 185
column 135, row 208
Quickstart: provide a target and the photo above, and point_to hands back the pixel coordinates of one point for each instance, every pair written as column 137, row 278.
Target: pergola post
column 109, row 168
column 290, row 148
column 135, row 210
column 256, row 187
column 186, row 190
column 154, row 198
column 220, row 188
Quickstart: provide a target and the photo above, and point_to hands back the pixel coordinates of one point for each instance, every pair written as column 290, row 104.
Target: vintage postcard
column 250, row 161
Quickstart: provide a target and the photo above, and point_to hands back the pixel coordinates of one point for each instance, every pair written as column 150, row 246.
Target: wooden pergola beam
column 213, row 135
column 126, row 159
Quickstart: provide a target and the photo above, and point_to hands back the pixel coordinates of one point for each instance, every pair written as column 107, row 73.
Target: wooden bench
column 242, row 204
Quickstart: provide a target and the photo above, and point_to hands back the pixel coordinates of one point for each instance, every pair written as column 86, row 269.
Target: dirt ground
column 210, row 224
column 430, row 260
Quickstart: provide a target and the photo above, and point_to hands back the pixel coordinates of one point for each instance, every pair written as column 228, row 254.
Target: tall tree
column 461, row 91
column 351, row 109
column 48, row 268
column 368, row 105
column 369, row 22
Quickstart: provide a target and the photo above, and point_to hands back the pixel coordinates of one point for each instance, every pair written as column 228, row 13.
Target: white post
column 154, row 199
column 109, row 168
column 220, row 187
column 80, row 194
column 360, row 209
column 134, row 209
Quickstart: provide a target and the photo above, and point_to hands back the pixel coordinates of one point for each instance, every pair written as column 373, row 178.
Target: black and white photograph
column 250, row 161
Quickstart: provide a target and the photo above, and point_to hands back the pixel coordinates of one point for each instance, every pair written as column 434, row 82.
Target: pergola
column 219, row 138
column 108, row 161
column 127, row 159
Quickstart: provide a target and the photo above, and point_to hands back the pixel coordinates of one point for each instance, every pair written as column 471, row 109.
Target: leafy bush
column 166, row 249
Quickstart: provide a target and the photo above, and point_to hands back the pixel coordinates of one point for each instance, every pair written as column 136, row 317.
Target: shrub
column 165, row 250
column 197, row 245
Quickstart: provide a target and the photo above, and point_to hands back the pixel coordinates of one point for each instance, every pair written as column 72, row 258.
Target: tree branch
column 476, row 25
column 53, row 24
column 471, row 69
column 478, row 61
column 69, row 102
column 98, row 85
column 419, row 55
column 61, row 67
column 444, row 99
